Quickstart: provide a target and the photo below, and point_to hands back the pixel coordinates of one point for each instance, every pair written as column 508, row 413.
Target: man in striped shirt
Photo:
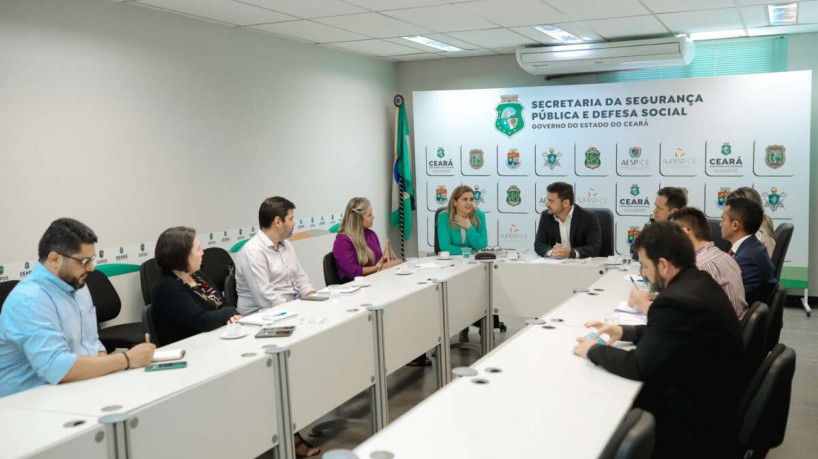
column 709, row 258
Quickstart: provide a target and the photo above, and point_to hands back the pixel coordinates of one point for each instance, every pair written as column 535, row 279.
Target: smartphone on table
column 166, row 366
column 276, row 332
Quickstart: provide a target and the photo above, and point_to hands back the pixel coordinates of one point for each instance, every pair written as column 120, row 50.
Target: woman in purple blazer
column 357, row 250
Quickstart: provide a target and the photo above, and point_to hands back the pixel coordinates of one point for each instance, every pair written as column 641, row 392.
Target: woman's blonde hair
column 460, row 191
column 353, row 227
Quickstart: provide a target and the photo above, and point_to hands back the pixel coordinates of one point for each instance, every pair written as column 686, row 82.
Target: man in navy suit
column 739, row 223
column 566, row 230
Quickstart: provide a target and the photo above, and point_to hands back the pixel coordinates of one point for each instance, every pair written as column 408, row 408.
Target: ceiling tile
column 702, row 21
column 471, row 53
column 578, row 30
column 598, row 9
column 451, row 41
column 674, row 6
column 417, row 57
column 310, row 31
column 444, row 18
column 513, row 13
column 220, row 10
column 375, row 47
column 308, row 9
column 374, row 25
column 808, row 13
column 755, row 16
column 627, row 27
column 781, row 30
column 381, row 5
column 535, row 35
column 765, row 2
column 493, row 38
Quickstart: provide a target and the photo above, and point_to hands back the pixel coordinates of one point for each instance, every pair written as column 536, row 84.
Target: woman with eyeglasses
column 185, row 302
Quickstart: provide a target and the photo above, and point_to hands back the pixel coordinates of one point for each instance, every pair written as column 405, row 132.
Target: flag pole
column 401, row 185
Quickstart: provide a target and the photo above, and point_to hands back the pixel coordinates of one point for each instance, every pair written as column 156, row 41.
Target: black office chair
column 633, row 439
column 6, row 288
column 149, row 326
column 715, row 235
column 606, row 223
column 776, row 320
column 231, row 296
column 437, row 243
column 149, row 273
column 765, row 407
column 108, row 306
column 783, row 236
column 217, row 264
column 331, row 270
column 754, row 336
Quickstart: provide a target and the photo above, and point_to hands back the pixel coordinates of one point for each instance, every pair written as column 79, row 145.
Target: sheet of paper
column 547, row 261
column 428, row 265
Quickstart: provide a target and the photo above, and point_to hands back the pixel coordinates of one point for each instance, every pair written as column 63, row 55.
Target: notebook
column 167, row 354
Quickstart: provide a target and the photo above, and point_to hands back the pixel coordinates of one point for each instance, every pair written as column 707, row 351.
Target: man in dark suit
column 566, row 230
column 689, row 355
column 740, row 221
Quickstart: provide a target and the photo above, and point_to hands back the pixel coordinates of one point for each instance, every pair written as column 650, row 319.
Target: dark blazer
column 689, row 356
column 178, row 312
column 757, row 270
column 585, row 233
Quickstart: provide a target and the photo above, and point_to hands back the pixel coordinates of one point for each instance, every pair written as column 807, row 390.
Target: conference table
column 530, row 394
column 262, row 391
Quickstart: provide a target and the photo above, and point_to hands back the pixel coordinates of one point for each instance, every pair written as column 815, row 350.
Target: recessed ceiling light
column 432, row 43
column 717, row 35
column 557, row 34
column 783, row 14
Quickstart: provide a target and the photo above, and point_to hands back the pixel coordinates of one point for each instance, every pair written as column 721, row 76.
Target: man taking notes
column 267, row 270
column 740, row 221
column 689, row 355
column 566, row 230
column 48, row 328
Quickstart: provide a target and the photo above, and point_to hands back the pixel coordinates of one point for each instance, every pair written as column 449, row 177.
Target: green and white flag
column 403, row 189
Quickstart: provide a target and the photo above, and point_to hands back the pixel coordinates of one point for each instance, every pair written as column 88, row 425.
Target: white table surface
column 32, row 433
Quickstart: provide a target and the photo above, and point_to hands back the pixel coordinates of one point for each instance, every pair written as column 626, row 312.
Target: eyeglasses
column 83, row 261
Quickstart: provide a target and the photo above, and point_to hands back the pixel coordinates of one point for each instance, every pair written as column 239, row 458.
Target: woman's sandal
column 304, row 449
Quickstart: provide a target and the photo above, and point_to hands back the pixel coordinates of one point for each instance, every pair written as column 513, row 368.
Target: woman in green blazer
column 462, row 227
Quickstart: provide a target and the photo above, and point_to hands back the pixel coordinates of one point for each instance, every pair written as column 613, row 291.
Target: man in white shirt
column 267, row 270
column 566, row 230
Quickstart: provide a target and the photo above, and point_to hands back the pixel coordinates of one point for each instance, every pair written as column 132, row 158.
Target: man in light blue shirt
column 48, row 328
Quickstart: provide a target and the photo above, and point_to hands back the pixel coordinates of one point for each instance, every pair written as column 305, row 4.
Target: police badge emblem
column 721, row 198
column 774, row 199
column 774, row 156
column 552, row 158
column 513, row 196
column 633, row 233
column 513, row 158
column 635, row 152
column 509, row 115
column 593, row 158
column 476, row 158
column 635, row 190
column 441, row 194
column 726, row 149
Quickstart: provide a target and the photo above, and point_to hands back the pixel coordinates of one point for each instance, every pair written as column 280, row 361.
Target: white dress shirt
column 267, row 275
column 565, row 232
column 737, row 244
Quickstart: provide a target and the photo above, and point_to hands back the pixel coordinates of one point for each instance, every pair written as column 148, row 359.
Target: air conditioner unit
column 599, row 57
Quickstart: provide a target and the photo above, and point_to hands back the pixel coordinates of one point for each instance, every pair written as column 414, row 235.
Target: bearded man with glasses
column 48, row 328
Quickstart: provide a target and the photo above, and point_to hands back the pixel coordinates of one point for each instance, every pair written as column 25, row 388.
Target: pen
column 148, row 338
column 633, row 281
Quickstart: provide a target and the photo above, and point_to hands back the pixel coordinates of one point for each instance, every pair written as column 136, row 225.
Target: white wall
column 503, row 72
column 133, row 120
